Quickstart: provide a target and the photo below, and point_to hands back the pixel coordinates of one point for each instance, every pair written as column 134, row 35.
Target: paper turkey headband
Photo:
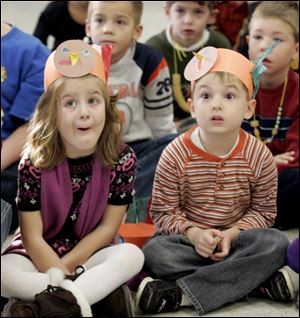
column 75, row 58
column 210, row 59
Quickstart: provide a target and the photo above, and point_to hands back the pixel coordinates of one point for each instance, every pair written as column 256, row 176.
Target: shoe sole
column 140, row 290
column 129, row 302
column 288, row 282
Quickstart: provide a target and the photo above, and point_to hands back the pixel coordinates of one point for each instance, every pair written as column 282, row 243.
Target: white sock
column 185, row 302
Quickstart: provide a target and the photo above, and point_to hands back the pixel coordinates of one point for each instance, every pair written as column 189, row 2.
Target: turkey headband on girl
column 75, row 58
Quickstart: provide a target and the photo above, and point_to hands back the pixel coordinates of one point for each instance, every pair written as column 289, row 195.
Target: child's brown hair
column 286, row 11
column 137, row 10
column 211, row 4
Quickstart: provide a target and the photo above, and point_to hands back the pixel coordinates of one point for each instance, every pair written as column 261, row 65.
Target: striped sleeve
column 192, row 187
column 166, row 198
column 262, row 210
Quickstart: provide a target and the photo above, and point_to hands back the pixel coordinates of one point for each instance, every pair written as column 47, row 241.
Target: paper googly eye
column 201, row 63
column 86, row 52
column 65, row 50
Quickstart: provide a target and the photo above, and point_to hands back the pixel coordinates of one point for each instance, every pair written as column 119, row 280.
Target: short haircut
column 286, row 11
column 211, row 4
column 228, row 78
column 136, row 5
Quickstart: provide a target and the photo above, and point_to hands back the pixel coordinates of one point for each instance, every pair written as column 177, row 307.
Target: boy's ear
column 247, row 38
column 191, row 107
column 166, row 8
column 137, row 31
column 213, row 17
column 250, row 109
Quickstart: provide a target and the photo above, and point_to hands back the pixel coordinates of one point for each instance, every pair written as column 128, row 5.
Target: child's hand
column 284, row 158
column 223, row 248
column 205, row 241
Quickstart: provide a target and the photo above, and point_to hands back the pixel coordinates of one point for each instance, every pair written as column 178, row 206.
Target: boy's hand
column 204, row 241
column 223, row 248
column 284, row 158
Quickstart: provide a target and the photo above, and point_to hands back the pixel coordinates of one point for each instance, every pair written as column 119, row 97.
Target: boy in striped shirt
column 214, row 200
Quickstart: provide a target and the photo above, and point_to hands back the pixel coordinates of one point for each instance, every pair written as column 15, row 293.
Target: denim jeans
column 6, row 215
column 148, row 153
column 254, row 256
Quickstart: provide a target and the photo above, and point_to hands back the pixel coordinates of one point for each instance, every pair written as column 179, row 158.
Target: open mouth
column 84, row 129
column 217, row 118
column 266, row 61
column 108, row 43
column 188, row 32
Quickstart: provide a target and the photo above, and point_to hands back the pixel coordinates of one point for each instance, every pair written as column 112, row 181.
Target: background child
column 76, row 180
column 214, row 197
column 231, row 18
column 140, row 77
column 276, row 118
column 186, row 33
column 21, row 87
column 63, row 20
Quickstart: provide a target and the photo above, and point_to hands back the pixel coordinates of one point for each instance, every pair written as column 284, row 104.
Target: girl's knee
column 134, row 255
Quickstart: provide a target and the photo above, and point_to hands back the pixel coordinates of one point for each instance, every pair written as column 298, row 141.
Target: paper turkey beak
column 74, row 58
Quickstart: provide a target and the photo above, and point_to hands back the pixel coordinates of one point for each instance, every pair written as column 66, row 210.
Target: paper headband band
column 210, row 59
column 75, row 58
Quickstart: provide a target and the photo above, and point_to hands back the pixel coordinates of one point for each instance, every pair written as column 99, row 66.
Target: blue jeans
column 254, row 256
column 148, row 153
column 6, row 215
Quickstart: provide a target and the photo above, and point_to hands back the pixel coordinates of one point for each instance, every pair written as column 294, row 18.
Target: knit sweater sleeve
column 263, row 190
column 165, row 209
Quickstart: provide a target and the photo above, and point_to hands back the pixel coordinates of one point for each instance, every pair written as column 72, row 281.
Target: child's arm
column 261, row 212
column 37, row 248
column 158, row 101
column 99, row 238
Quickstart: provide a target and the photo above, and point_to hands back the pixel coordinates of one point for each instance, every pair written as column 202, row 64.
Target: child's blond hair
column 287, row 11
column 136, row 5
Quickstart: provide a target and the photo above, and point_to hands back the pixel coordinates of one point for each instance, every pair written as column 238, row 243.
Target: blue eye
column 65, row 50
column 86, row 52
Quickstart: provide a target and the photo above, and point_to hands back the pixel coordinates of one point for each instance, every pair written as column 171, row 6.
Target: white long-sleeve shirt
column 142, row 81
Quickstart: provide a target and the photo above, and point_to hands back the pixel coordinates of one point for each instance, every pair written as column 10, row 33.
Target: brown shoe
column 63, row 301
column 57, row 302
column 117, row 304
column 24, row 309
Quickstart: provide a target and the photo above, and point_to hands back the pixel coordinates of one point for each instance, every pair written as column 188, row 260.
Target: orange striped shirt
column 195, row 188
